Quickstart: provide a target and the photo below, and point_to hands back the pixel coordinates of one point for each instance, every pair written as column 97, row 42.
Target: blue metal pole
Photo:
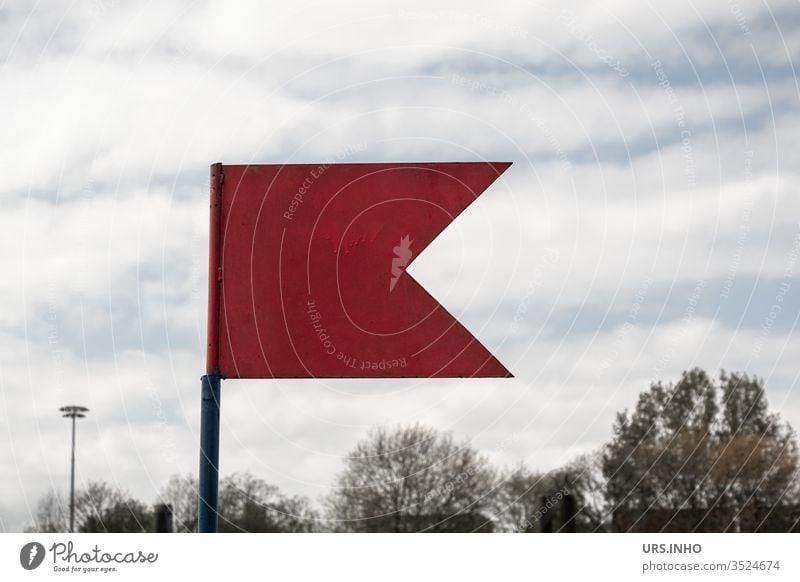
column 209, row 453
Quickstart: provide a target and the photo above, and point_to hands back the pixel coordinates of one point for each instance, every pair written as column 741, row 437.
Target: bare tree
column 413, row 479
column 181, row 494
column 532, row 502
column 99, row 507
column 519, row 500
column 582, row 479
column 246, row 504
column 52, row 514
column 102, row 508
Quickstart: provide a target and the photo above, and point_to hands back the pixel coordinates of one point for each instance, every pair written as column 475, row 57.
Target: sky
column 650, row 222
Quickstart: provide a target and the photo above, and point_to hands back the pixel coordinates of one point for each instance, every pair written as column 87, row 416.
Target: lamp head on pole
column 73, row 411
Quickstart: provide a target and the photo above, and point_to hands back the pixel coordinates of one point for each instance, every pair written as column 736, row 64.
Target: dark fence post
column 163, row 518
column 568, row 514
column 546, row 515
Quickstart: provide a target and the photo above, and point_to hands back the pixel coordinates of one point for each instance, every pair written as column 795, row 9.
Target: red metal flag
column 310, row 264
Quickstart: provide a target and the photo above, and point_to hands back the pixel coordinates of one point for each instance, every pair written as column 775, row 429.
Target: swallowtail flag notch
column 310, row 271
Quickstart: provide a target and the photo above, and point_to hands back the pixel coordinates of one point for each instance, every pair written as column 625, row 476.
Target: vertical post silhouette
column 72, row 412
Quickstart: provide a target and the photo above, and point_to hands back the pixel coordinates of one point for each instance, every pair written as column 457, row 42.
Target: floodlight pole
column 72, row 482
column 72, row 412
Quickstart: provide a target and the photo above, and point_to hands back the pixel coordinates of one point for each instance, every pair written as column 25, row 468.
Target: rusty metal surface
column 313, row 261
column 214, row 269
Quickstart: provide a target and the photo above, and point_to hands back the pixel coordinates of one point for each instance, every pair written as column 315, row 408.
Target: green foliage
column 701, row 455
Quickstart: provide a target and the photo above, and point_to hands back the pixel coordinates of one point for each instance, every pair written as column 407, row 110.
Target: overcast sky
column 650, row 221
